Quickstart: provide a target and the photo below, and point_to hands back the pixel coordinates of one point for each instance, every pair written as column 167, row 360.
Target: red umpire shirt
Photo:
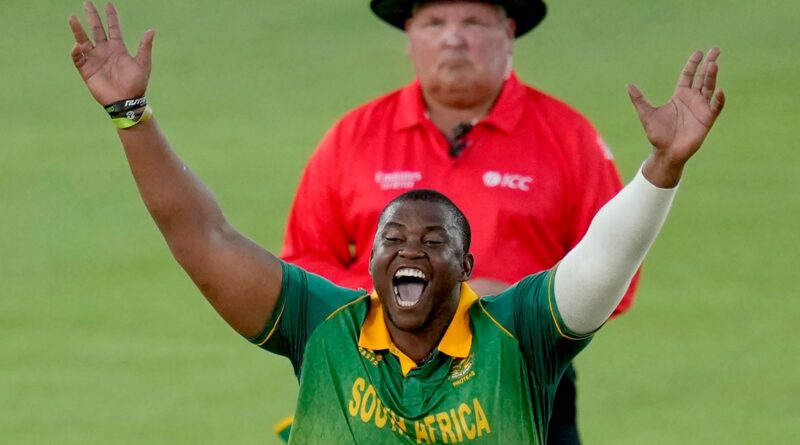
column 529, row 177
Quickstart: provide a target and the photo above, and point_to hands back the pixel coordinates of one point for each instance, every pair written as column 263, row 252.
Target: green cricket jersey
column 491, row 381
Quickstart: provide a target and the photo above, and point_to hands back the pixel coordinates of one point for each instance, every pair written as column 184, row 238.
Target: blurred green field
column 103, row 339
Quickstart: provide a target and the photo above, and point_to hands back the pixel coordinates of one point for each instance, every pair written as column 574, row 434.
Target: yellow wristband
column 133, row 118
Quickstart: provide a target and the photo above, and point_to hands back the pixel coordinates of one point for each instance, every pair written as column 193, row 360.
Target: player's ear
column 371, row 256
column 467, row 264
column 510, row 28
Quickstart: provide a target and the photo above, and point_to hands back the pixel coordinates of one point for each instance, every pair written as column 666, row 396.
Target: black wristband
column 128, row 113
column 132, row 114
column 120, row 108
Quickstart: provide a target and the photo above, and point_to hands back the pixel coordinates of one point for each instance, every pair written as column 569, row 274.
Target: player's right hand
column 677, row 129
column 109, row 70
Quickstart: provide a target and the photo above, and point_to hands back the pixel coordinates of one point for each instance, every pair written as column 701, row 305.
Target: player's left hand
column 677, row 129
column 110, row 72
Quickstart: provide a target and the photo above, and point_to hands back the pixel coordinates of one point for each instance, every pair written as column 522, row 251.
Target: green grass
column 104, row 340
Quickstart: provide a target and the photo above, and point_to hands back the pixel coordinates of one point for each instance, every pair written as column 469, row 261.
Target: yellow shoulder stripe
column 346, row 305
column 274, row 326
column 480, row 303
column 277, row 320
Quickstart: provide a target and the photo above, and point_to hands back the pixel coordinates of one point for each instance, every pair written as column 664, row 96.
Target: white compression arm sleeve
column 594, row 275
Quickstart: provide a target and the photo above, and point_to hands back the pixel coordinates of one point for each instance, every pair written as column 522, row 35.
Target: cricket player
column 527, row 170
column 422, row 359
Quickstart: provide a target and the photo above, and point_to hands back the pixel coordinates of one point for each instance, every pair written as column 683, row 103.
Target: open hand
column 677, row 129
column 109, row 71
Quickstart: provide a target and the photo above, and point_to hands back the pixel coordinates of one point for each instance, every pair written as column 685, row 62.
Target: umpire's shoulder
column 378, row 111
column 553, row 108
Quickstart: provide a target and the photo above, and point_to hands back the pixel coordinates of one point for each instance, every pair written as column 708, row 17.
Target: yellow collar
column 456, row 342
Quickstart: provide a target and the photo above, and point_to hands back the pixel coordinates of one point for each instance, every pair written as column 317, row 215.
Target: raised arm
column 240, row 279
column 592, row 278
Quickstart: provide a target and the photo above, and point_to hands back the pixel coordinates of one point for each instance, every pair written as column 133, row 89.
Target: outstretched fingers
column 145, row 51
column 638, row 100
column 78, row 53
column 709, row 81
column 718, row 103
column 686, row 77
column 114, row 27
column 77, row 31
column 98, row 32
column 711, row 57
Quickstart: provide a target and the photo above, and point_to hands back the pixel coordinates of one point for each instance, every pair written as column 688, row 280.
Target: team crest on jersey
column 461, row 370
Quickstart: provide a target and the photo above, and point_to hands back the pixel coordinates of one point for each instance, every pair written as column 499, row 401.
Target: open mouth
column 408, row 285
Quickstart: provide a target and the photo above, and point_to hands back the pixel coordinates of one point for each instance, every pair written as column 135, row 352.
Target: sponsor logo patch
column 512, row 181
column 397, row 179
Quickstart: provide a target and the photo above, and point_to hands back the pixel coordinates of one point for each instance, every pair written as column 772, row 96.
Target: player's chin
column 408, row 319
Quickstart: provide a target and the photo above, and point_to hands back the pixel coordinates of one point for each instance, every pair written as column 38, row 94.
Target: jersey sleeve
column 316, row 234
column 305, row 301
column 528, row 311
column 595, row 180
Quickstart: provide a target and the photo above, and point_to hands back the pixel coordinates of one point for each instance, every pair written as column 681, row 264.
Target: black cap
column 527, row 13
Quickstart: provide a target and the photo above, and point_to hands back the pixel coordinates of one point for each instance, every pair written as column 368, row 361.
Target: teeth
column 409, row 272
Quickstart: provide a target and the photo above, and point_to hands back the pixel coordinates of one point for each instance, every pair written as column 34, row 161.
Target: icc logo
column 507, row 180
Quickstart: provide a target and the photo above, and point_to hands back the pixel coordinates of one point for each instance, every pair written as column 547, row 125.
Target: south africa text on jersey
column 465, row 422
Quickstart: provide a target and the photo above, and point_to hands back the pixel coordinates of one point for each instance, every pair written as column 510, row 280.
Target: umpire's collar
column 456, row 342
column 505, row 115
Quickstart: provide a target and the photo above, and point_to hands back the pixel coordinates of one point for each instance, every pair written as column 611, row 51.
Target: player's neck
column 418, row 345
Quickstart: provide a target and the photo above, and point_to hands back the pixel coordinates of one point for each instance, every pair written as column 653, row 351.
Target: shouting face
column 460, row 50
column 418, row 263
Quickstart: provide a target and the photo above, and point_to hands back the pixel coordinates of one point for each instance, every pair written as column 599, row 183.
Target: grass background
column 104, row 340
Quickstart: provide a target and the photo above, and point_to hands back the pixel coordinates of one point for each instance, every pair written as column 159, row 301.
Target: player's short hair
column 433, row 196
